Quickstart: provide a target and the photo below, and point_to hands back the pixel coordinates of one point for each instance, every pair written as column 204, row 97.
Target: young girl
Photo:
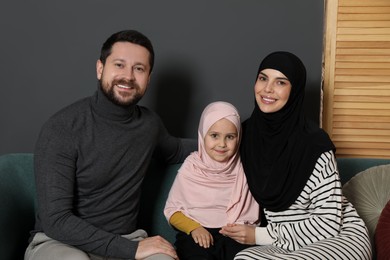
column 210, row 189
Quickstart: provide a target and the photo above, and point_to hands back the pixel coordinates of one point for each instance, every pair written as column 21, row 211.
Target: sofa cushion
column 369, row 192
column 382, row 234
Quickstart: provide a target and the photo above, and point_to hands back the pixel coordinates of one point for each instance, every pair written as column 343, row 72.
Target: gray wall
column 205, row 51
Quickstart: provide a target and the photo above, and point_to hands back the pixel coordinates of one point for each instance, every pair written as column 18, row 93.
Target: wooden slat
column 361, row 152
column 368, row 138
column 362, row 105
column 362, row 85
column 367, row 145
column 373, row 99
column 353, row 78
column 362, row 58
column 363, row 37
column 360, row 112
column 366, row 65
column 364, row 10
column 363, row 92
column 360, row 156
column 363, row 24
column 366, row 3
column 363, row 44
column 362, row 71
column 363, row 17
column 346, row 51
column 361, row 132
column 362, row 125
column 371, row 118
column 364, row 31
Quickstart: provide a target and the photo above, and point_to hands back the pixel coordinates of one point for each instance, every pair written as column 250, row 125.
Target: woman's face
column 272, row 90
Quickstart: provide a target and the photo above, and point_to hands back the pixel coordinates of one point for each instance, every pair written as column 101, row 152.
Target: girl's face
column 272, row 90
column 221, row 140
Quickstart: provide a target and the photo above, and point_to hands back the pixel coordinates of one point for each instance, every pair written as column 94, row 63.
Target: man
column 90, row 160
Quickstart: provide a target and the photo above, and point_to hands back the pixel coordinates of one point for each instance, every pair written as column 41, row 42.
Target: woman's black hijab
column 279, row 150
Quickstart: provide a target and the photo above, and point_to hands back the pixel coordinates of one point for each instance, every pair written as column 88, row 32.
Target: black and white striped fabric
column 321, row 224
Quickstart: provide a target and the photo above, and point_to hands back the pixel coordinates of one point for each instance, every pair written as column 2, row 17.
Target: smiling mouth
column 268, row 99
column 124, row 86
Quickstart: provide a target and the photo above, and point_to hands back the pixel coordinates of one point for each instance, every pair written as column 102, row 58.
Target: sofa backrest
column 349, row 167
column 156, row 186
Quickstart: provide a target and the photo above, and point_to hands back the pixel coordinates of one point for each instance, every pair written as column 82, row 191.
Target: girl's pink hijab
column 210, row 192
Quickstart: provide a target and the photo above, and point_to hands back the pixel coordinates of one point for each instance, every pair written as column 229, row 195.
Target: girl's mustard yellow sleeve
column 183, row 223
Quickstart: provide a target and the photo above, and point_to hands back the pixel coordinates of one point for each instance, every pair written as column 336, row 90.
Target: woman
column 292, row 173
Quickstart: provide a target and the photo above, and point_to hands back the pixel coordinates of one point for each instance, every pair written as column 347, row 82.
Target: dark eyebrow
column 265, row 75
column 281, row 78
column 214, row 132
column 232, row 134
column 118, row 59
column 123, row 60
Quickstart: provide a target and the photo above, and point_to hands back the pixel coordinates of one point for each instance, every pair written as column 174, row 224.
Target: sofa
column 18, row 201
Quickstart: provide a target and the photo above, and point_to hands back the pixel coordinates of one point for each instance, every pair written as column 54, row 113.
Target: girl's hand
column 202, row 237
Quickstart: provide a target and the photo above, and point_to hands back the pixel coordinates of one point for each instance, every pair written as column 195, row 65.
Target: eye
column 282, row 82
column 231, row 137
column 213, row 135
column 262, row 78
column 139, row 68
column 119, row 65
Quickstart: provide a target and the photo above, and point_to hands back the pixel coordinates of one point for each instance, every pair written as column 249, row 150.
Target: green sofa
column 17, row 198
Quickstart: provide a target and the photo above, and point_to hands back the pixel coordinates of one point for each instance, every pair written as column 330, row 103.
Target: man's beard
column 110, row 93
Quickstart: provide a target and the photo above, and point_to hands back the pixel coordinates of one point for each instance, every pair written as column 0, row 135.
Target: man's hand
column 202, row 237
column 243, row 234
column 154, row 245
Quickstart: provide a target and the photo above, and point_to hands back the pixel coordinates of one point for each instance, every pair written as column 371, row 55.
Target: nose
column 222, row 142
column 268, row 87
column 129, row 74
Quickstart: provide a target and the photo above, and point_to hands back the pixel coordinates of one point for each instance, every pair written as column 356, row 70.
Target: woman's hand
column 202, row 237
column 244, row 234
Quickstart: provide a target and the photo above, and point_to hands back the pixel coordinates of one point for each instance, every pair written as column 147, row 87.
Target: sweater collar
column 107, row 109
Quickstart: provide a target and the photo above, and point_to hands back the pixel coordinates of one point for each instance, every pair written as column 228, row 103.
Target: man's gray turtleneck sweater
column 90, row 160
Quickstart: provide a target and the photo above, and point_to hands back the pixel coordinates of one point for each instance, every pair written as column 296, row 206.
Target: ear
column 149, row 78
column 99, row 69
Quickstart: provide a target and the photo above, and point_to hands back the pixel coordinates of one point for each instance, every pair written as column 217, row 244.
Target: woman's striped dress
column 321, row 224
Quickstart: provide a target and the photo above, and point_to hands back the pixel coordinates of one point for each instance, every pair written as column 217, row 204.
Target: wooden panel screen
column 356, row 87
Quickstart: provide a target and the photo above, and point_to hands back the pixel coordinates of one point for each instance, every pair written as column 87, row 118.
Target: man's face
column 125, row 75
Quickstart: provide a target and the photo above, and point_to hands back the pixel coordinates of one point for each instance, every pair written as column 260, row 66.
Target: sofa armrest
column 17, row 204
